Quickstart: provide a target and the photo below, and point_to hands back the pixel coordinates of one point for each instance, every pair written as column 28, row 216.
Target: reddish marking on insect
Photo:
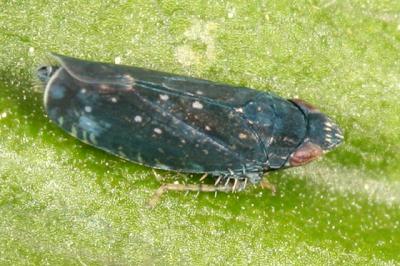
column 305, row 154
column 305, row 105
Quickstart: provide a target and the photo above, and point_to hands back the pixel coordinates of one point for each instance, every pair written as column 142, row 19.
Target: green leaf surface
column 63, row 202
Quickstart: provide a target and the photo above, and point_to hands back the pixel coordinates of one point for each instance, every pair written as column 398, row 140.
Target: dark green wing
column 153, row 118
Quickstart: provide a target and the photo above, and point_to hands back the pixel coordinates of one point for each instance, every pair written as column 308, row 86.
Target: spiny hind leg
column 222, row 184
column 184, row 187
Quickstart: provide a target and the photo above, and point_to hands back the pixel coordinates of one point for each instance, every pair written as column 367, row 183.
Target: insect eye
column 305, row 154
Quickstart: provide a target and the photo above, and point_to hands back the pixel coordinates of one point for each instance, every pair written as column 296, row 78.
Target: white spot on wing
column 83, row 90
column 242, row 136
column 114, row 100
column 164, row 97
column 197, row 105
column 207, row 128
column 88, row 109
column 157, row 130
column 138, row 119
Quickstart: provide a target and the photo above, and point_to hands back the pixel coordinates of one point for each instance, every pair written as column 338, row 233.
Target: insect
column 184, row 124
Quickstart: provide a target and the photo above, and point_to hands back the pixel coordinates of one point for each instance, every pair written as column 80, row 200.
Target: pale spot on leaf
column 186, row 56
column 204, row 32
column 3, row 115
column 117, row 60
column 231, row 12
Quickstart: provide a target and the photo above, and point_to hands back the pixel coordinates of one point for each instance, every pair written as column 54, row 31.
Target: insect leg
column 185, row 187
column 245, row 183
column 228, row 179
column 265, row 184
column 203, row 177
column 158, row 177
column 240, row 184
column 235, row 185
column 218, row 180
